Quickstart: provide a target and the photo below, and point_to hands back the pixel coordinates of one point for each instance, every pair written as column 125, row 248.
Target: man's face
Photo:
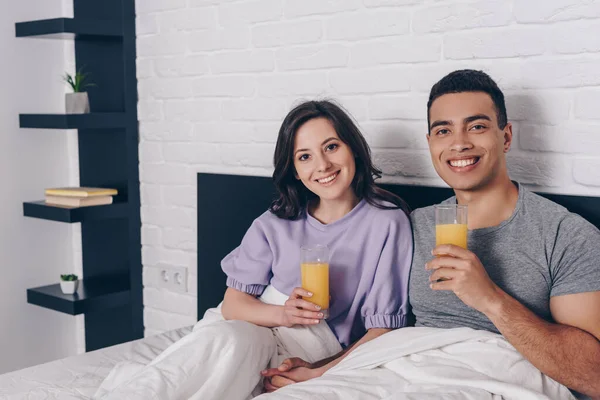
column 467, row 147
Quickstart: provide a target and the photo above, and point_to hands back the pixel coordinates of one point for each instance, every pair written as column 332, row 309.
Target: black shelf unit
column 74, row 121
column 70, row 28
column 104, row 39
column 39, row 209
column 92, row 295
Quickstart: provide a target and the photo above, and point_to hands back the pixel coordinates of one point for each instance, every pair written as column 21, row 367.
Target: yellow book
column 78, row 201
column 81, row 192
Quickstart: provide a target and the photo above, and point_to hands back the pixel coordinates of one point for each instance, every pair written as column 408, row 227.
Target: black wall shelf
column 92, row 295
column 69, row 28
column 104, row 37
column 39, row 209
column 73, row 121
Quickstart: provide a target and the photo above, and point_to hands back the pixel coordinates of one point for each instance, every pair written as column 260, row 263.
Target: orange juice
column 455, row 234
column 315, row 279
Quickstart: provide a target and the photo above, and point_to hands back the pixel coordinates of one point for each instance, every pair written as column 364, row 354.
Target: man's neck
column 490, row 205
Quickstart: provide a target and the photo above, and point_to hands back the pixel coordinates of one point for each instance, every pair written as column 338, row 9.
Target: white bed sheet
column 78, row 377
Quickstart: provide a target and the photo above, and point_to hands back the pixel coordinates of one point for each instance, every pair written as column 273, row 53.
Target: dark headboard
column 227, row 205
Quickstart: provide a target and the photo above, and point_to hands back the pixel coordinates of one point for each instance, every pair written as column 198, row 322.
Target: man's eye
column 477, row 127
column 331, row 147
column 442, row 132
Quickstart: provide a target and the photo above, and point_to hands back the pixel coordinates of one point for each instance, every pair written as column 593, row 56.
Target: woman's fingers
column 299, row 292
column 306, row 305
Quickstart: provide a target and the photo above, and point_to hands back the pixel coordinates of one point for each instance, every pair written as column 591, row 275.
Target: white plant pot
column 69, row 287
column 77, row 103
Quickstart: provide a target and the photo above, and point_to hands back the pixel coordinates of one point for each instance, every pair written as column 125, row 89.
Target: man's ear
column 427, row 136
column 508, row 136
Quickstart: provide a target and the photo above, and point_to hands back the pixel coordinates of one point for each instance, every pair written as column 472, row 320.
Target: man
column 532, row 271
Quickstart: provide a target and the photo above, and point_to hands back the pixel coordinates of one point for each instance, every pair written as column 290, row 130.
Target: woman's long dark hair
column 292, row 196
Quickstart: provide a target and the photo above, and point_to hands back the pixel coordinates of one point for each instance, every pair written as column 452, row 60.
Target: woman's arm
column 246, row 307
column 296, row 311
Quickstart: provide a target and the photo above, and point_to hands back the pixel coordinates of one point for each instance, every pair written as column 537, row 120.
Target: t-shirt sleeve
column 386, row 304
column 248, row 267
column 575, row 264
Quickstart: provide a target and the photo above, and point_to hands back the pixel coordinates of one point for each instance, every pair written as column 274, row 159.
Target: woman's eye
column 303, row 157
column 331, row 146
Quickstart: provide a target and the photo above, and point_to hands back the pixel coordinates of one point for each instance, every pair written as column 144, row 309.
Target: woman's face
column 323, row 163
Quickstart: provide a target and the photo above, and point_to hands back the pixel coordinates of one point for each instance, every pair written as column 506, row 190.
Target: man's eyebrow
column 476, row 117
column 439, row 123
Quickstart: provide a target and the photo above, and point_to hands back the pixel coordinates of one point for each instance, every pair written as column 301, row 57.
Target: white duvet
column 222, row 359
column 430, row 363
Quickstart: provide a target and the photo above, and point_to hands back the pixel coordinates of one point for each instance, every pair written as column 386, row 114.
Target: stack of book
column 79, row 196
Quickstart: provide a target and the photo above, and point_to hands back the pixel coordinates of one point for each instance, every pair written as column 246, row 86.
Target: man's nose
column 461, row 142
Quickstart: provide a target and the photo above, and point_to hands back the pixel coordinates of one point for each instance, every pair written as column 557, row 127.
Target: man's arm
column 568, row 351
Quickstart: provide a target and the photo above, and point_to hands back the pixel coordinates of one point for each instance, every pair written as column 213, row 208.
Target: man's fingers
column 293, row 362
column 270, row 372
column 446, row 262
column 452, row 251
column 442, row 285
column 443, row 274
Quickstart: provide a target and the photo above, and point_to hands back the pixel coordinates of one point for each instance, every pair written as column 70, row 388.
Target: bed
column 227, row 204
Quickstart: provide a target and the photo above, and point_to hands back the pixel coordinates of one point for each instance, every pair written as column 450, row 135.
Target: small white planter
column 69, row 287
column 77, row 103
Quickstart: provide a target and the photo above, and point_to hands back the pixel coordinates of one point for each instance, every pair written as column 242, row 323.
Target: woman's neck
column 491, row 205
column 329, row 211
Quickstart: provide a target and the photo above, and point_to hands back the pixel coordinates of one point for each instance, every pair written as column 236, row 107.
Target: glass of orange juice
column 314, row 262
column 451, row 224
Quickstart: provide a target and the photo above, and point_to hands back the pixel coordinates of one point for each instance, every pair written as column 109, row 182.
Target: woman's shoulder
column 268, row 220
column 386, row 213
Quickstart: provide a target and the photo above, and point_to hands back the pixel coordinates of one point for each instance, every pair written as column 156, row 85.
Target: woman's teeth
column 463, row 163
column 328, row 179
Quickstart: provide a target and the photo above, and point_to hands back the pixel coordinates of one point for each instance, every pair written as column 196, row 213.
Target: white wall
column 216, row 77
column 33, row 252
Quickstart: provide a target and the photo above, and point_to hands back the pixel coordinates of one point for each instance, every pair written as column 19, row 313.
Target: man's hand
column 460, row 271
column 291, row 370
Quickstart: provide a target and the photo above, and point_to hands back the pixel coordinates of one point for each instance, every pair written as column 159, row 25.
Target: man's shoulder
column 550, row 212
column 425, row 215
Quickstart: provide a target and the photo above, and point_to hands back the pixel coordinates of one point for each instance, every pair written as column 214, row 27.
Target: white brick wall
column 216, row 77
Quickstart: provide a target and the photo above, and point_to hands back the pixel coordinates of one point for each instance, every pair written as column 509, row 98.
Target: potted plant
column 69, row 283
column 78, row 101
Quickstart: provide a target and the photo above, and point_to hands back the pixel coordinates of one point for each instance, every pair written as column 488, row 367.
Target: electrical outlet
column 173, row 278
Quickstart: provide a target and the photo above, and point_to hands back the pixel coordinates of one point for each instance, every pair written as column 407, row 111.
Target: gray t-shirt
column 541, row 251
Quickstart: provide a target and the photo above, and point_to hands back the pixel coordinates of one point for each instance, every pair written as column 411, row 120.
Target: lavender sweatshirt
column 370, row 255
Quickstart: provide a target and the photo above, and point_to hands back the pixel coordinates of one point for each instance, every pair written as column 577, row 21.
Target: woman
column 325, row 194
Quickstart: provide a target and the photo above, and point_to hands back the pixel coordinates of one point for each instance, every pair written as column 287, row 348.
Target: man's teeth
column 328, row 179
column 462, row 163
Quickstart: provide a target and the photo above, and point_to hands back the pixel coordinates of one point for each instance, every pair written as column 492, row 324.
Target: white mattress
column 78, row 377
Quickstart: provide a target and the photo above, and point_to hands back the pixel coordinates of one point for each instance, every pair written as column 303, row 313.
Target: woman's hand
column 297, row 311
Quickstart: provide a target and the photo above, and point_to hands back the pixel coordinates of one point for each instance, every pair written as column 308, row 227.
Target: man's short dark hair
column 469, row 80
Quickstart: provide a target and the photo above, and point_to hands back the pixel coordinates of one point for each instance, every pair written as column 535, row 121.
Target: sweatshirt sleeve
column 386, row 304
column 248, row 267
